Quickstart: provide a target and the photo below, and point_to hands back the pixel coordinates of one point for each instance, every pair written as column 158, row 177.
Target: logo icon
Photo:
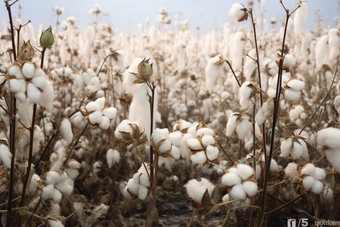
column 303, row 222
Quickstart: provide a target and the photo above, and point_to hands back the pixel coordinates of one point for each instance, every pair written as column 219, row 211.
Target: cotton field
column 166, row 127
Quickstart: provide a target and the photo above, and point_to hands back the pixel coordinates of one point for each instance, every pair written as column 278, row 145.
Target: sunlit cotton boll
column 66, row 130
column 239, row 12
column 213, row 70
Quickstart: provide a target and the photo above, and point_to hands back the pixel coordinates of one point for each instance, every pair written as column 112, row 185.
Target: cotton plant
column 203, row 144
column 99, row 114
column 310, row 179
column 292, row 89
column 241, row 123
column 240, row 182
column 139, row 185
column 200, row 193
column 294, row 146
column 63, row 74
column 297, row 115
column 247, row 94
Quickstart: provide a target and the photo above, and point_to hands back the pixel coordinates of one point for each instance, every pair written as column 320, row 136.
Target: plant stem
column 100, row 69
column 141, row 159
column 192, row 217
column 279, row 208
column 46, row 148
column 225, row 152
column 30, row 155
column 12, row 108
column 239, row 84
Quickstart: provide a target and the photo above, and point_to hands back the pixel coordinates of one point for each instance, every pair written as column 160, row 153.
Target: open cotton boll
column 231, row 124
column 95, row 117
column 250, row 188
column 237, row 192
column 289, row 60
column 317, row 187
column 14, row 85
column 136, row 178
column 159, row 134
column 132, row 188
column 212, row 71
column 291, row 95
column 28, row 70
column 74, row 164
column 230, row 179
column 100, row 102
column 238, row 11
column 244, row 129
column 320, row 51
column 308, row 182
column 5, row 156
column 73, row 173
column 111, row 157
column 13, row 70
column 47, row 96
column 66, row 130
column 291, row 170
column 144, row 180
column 52, row 177
column 244, row 171
column 328, row 138
column 285, row 147
column 199, row 158
column 309, row 169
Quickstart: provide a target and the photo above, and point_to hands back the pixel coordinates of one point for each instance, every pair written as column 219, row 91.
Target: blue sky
column 206, row 14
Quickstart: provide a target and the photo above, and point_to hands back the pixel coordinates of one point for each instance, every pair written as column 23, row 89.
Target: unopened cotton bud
column 46, row 38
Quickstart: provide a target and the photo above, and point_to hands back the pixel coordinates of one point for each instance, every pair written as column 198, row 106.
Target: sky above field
column 206, row 14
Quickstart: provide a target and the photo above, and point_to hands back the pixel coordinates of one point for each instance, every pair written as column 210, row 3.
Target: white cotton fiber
column 317, row 187
column 165, row 146
column 296, row 151
column 175, row 152
column 231, row 125
column 320, row 174
column 14, row 85
column 47, row 96
column 198, row 158
column 48, row 192
column 39, row 82
column 57, row 196
column 237, row 192
column 105, row 123
column 212, row 152
column 230, row 179
column 205, row 131
column 52, row 177
column 74, row 164
column 309, row 169
column 291, row 170
column 110, row 112
column 144, row 180
column 208, row 140
column 5, row 156
column 64, row 187
column 175, row 138
column 286, row 147
column 250, row 188
column 28, row 70
column 110, row 157
column 194, row 144
column 296, row 85
column 142, row 192
column 244, row 171
column 329, row 137
column 33, row 93
column 100, row 102
column 308, row 182
column 212, row 71
column 91, row 107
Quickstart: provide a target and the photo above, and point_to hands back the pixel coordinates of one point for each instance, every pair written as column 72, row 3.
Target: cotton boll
column 95, row 117
column 47, row 96
column 258, row 171
column 112, row 157
column 159, row 134
column 142, row 192
column 212, row 153
column 198, row 158
column 289, row 60
column 230, row 179
column 100, row 102
column 250, row 188
column 54, row 223
column 291, row 170
column 244, row 171
column 52, row 177
column 28, row 70
column 73, row 173
column 14, row 69
column 328, row 196
column 74, row 164
column 144, row 180
column 243, row 129
column 238, row 11
column 309, row 169
column 296, row 85
column 165, row 146
column 291, row 95
column 66, row 130
column 308, row 182
column 285, row 147
column 237, row 192
column 274, row 166
column 212, row 71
